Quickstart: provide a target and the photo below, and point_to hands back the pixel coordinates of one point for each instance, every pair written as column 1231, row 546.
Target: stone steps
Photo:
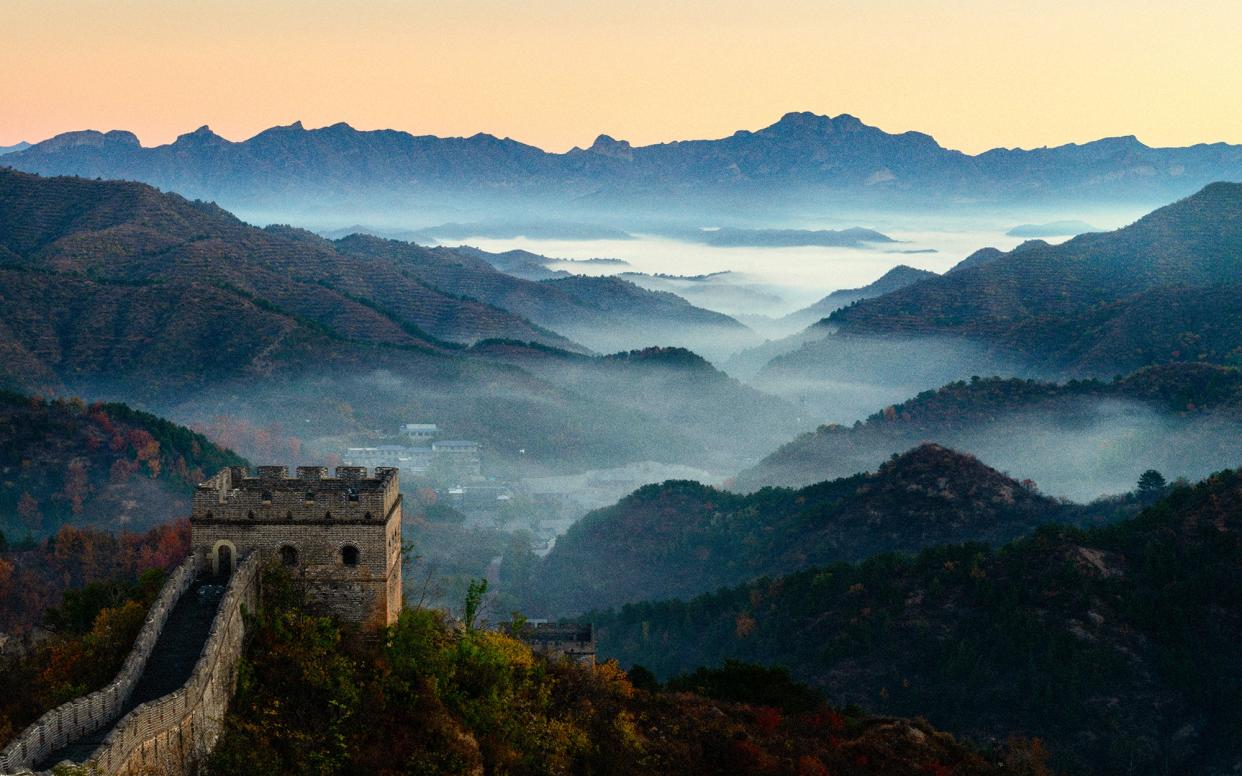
column 170, row 665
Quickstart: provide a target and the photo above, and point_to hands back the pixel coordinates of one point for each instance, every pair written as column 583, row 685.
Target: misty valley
column 812, row 449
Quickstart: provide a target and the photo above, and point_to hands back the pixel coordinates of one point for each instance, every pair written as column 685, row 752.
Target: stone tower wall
column 314, row 523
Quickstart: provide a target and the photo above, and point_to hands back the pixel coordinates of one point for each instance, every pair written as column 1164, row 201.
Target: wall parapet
column 90, row 713
column 169, row 734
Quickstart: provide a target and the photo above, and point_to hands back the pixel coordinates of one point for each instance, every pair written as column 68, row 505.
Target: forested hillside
column 63, row 462
column 435, row 697
column 1116, row 645
column 113, row 289
column 34, row 574
column 683, row 538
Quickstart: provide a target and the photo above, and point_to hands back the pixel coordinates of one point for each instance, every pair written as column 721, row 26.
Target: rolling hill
column 1162, row 289
column 897, row 277
column 682, row 538
column 114, row 290
column 107, row 466
column 606, row 314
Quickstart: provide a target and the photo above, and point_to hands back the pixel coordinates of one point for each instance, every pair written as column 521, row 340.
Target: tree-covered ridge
column 66, row 462
column 437, row 697
column 34, row 575
column 683, row 538
column 957, row 411
column 1164, row 289
column 1116, row 645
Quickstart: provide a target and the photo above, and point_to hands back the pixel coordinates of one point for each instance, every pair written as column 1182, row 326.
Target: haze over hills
column 286, row 171
column 1114, row 646
column 683, row 538
column 116, row 290
column 1101, row 302
column 606, row 314
column 1162, row 290
column 13, row 148
column 1081, row 439
column 897, row 277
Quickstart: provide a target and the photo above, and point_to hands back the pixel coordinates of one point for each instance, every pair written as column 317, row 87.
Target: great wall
column 340, row 536
column 162, row 735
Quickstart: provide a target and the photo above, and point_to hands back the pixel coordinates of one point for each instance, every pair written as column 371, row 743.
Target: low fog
column 839, row 379
column 1103, row 447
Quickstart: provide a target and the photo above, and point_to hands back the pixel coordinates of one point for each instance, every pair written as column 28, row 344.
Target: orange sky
column 974, row 73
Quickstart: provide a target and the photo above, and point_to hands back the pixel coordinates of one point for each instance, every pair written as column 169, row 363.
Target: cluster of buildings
column 455, row 460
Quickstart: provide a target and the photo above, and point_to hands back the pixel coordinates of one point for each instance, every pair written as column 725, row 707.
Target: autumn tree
column 28, row 511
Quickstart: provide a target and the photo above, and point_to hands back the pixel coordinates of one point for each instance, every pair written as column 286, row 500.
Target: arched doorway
column 223, row 559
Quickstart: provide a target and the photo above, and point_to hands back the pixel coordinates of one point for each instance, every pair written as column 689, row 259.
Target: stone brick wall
column 340, row 535
column 96, row 711
column 170, row 734
column 358, row 593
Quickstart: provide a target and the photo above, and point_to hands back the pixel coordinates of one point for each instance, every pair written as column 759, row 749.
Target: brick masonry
column 341, row 535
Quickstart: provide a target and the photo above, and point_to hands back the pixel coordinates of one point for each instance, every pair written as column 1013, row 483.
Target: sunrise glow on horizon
column 975, row 74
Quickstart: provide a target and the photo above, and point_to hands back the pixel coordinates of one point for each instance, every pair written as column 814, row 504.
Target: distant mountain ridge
column 897, row 277
column 606, row 314
column 290, row 167
column 1166, row 288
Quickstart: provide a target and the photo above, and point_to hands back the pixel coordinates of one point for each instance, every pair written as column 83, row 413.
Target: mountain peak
column 201, row 136
column 606, row 145
column 808, row 123
column 89, row 138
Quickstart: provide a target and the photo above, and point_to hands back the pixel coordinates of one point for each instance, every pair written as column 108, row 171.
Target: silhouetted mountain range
column 802, row 157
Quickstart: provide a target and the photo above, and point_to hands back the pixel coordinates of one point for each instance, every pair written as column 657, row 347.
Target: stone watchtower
column 341, row 535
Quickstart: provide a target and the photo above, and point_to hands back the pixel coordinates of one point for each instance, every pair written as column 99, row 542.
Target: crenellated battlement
column 271, row 495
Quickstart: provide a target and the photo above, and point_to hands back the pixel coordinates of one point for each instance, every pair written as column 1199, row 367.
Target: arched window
column 353, row 494
column 267, row 497
column 250, row 514
column 327, row 515
column 289, row 555
column 289, row 515
column 349, row 555
column 310, row 496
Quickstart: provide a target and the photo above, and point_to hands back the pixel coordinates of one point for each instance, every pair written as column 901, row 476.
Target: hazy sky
column 974, row 73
